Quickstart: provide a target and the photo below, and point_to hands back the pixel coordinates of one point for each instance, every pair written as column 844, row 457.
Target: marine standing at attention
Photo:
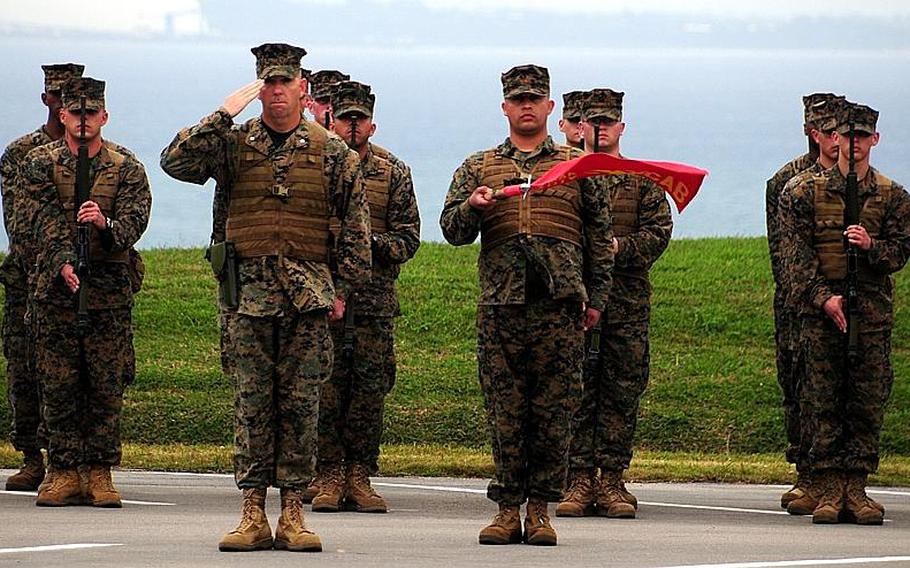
column 535, row 301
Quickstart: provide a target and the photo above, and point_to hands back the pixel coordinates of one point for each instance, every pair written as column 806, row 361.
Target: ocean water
column 736, row 113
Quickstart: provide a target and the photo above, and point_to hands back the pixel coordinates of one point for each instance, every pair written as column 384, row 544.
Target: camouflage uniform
column 21, row 382
column 843, row 408
column 83, row 378
column 275, row 345
column 786, row 320
column 351, row 407
column 604, row 426
column 27, row 433
column 530, row 337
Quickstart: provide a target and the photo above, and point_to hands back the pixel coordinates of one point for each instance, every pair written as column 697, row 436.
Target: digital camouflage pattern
column 351, row 96
column 787, row 337
column 18, row 347
column 278, row 60
column 861, row 117
column 505, row 269
column 82, row 409
column 530, row 341
column 604, row 104
column 351, row 408
column 323, row 82
column 83, row 379
column 78, row 88
column 197, row 154
column 110, row 284
column 571, row 105
column 529, row 359
column 786, row 319
column 55, row 76
column 352, row 401
column 275, row 346
column 603, row 427
column 526, row 80
column 276, row 365
column 842, row 408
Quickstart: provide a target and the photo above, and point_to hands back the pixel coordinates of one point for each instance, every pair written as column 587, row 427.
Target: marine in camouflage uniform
column 352, row 401
column 842, row 402
column 84, row 367
column 22, row 385
column 786, row 321
column 284, row 178
column 535, row 301
column 618, row 366
column 319, row 102
column 570, row 123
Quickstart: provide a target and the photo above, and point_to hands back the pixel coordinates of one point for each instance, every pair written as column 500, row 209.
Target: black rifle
column 347, row 344
column 83, row 260
column 594, row 345
column 327, row 119
column 851, row 217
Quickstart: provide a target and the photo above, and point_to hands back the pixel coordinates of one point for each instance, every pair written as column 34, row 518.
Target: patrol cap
column 823, row 114
column 77, row 87
column 58, row 74
column 526, row 80
column 602, row 104
column 862, row 118
column 351, row 96
column 306, row 74
column 322, row 83
column 571, row 105
column 277, row 60
column 810, row 100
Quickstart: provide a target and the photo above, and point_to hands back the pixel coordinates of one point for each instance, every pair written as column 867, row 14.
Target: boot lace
column 580, row 489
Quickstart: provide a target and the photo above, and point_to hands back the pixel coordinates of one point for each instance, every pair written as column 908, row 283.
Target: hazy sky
column 185, row 17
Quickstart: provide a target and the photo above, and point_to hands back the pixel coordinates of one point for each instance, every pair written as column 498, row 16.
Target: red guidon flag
column 680, row 181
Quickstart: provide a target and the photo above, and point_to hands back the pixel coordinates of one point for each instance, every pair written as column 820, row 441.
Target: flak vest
column 553, row 212
column 829, row 228
column 294, row 225
column 376, row 186
column 103, row 192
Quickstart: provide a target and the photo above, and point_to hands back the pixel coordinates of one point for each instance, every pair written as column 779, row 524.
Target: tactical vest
column 263, row 223
column 553, row 212
column 624, row 203
column 103, row 192
column 829, row 227
column 377, row 188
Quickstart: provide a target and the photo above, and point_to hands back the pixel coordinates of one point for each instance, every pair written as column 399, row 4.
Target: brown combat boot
column 830, row 498
column 253, row 532
column 538, row 531
column 292, row 533
column 101, row 491
column 858, row 505
column 810, row 487
column 331, row 489
column 311, row 490
column 505, row 528
column 360, row 495
column 63, row 489
column 30, row 476
column 578, row 500
column 610, row 500
column 798, row 491
column 627, row 495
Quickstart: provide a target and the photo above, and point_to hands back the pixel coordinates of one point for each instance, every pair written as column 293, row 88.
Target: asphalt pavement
column 176, row 519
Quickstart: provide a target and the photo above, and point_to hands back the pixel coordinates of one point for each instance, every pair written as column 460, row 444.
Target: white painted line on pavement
column 55, row 547
column 886, row 492
column 713, row 508
column 125, row 501
column 444, row 488
column 813, row 562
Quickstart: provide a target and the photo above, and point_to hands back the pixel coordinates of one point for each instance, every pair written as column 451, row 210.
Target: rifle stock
column 83, row 259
